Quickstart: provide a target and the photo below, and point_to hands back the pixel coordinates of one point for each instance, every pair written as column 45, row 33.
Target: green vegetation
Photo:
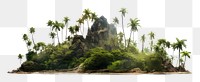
column 110, row 53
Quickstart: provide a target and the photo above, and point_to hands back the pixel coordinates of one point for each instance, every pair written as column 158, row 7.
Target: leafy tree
column 32, row 31
column 179, row 45
column 134, row 27
column 66, row 20
column 152, row 36
column 20, row 56
column 123, row 11
column 185, row 54
column 143, row 40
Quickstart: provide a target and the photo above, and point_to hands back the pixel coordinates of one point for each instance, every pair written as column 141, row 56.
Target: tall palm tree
column 62, row 27
column 32, row 31
column 185, row 54
column 93, row 16
column 152, row 36
column 179, row 45
column 56, row 26
column 134, row 27
column 80, row 21
column 52, row 35
column 87, row 16
column 123, row 11
column 115, row 21
column 50, row 24
column 66, row 20
column 162, row 43
column 143, row 40
column 25, row 38
column 20, row 56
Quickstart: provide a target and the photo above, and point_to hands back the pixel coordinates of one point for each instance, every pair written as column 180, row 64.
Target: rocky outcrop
column 100, row 33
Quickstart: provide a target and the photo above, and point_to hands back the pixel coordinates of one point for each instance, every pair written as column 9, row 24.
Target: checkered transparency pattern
column 166, row 18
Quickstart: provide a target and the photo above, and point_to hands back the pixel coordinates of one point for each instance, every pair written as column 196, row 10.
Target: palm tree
column 71, row 30
column 93, row 16
column 120, row 37
column 56, row 26
column 66, row 20
column 25, row 38
column 151, row 35
column 123, row 12
column 185, row 54
column 42, row 45
column 133, row 24
column 115, row 21
column 20, row 56
column 29, row 44
column 76, row 28
column 80, row 21
column 87, row 16
column 179, row 45
column 52, row 35
column 32, row 31
column 143, row 40
column 50, row 23
column 62, row 27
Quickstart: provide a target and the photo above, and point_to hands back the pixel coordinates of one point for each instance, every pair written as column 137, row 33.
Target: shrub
column 30, row 55
column 30, row 66
column 98, row 59
column 153, row 62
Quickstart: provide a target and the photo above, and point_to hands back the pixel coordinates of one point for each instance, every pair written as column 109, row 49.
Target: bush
column 153, row 62
column 30, row 55
column 127, row 62
column 98, row 59
column 30, row 66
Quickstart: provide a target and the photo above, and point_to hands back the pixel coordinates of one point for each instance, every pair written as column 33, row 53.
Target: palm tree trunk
column 66, row 32
column 184, row 62
column 83, row 29
column 58, row 37
column 133, row 37
column 123, row 32
column 179, row 58
column 62, row 35
column 151, row 44
column 80, row 29
column 142, row 46
column 20, row 61
column 129, row 39
column 33, row 39
column 88, row 24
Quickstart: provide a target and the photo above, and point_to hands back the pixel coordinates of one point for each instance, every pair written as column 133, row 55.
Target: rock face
column 100, row 33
